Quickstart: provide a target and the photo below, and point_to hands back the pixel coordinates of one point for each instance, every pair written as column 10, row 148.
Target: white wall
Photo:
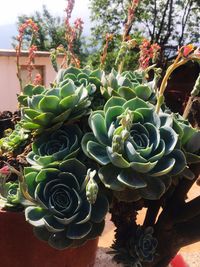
column 9, row 84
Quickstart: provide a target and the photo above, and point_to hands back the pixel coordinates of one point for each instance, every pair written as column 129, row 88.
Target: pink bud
column 187, row 49
column 5, row 170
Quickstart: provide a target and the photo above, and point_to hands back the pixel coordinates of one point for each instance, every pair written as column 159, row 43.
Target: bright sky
column 10, row 9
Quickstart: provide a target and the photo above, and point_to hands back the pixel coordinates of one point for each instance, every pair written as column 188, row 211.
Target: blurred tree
column 51, row 33
column 170, row 23
column 51, row 30
column 131, row 58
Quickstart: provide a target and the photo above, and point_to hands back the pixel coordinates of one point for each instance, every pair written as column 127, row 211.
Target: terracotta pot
column 20, row 248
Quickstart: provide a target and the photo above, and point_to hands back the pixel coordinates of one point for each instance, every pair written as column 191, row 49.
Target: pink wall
column 9, row 84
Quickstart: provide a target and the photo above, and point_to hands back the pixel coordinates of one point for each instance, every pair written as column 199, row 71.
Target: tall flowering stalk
column 125, row 37
column 69, row 8
column 109, row 38
column 29, row 23
column 130, row 19
column 72, row 33
column 30, row 64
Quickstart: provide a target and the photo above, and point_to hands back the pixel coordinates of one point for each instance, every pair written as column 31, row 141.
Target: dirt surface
column 104, row 259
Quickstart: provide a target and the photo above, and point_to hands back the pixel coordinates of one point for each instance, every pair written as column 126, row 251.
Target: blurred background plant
column 168, row 23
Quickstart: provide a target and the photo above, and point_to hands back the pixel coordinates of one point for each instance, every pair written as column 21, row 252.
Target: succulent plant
column 12, row 194
column 145, row 244
column 92, row 80
column 138, row 149
column 139, row 248
column 61, row 213
column 30, row 90
column 86, row 77
column 69, row 99
column 127, row 85
column 59, row 145
column 53, row 107
column 14, row 139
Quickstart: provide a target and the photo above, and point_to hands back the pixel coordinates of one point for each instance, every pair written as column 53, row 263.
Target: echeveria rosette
column 61, row 214
column 142, row 157
column 29, row 91
column 59, row 145
column 91, row 79
column 140, row 247
column 11, row 195
column 17, row 139
column 51, row 108
column 127, row 85
column 145, row 244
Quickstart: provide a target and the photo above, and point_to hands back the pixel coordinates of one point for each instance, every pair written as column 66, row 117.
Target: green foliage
column 12, row 194
column 70, row 99
column 140, row 248
column 51, row 33
column 108, row 16
column 62, row 215
column 60, row 145
column 138, row 149
column 155, row 20
column 131, row 57
column 128, row 85
column 14, row 139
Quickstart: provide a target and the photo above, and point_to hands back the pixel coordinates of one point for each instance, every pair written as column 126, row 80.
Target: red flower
column 38, row 79
column 5, row 171
column 187, row 49
column 148, row 52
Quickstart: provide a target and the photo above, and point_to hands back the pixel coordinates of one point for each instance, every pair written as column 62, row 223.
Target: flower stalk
column 28, row 23
column 185, row 54
column 109, row 38
column 125, row 37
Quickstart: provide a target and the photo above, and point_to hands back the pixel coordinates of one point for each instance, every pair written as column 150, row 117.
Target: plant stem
column 23, row 185
column 18, row 52
column 188, row 107
column 169, row 71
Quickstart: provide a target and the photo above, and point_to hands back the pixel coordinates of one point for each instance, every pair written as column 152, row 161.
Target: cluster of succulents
column 69, row 99
column 65, row 206
column 80, row 77
column 13, row 139
column 128, row 85
column 53, row 107
column 131, row 149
